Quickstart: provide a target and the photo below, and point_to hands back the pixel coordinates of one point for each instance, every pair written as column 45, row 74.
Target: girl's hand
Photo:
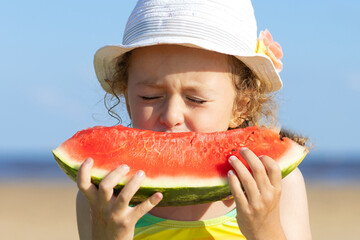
column 112, row 218
column 257, row 196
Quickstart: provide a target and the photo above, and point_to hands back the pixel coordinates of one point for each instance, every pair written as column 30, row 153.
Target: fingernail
column 261, row 156
column 124, row 167
column 232, row 158
column 230, row 172
column 243, row 149
column 88, row 161
column 140, row 173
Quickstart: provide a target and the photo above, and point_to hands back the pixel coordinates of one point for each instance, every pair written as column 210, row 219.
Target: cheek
column 224, row 112
column 137, row 112
column 214, row 118
column 141, row 116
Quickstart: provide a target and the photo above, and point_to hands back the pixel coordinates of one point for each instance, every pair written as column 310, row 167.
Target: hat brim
column 106, row 58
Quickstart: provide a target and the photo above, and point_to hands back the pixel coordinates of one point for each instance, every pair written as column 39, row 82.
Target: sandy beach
column 35, row 210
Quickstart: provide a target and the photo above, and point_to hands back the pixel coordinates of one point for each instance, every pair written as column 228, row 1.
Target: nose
column 173, row 112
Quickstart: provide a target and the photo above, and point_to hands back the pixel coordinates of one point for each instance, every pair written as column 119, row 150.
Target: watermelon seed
column 234, row 150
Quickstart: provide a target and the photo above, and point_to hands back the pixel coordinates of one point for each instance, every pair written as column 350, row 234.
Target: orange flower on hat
column 266, row 45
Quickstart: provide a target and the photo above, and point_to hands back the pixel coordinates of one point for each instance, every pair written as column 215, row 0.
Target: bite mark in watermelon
column 188, row 167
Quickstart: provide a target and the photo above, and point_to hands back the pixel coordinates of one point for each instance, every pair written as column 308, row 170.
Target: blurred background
column 49, row 91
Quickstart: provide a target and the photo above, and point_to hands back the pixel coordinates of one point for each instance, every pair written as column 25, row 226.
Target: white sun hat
column 224, row 26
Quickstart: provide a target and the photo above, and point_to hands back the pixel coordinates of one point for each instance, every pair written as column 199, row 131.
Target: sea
column 332, row 169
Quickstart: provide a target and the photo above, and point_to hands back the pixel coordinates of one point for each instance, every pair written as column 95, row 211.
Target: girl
column 195, row 65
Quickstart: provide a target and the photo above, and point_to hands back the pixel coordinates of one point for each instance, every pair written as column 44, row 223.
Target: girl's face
column 179, row 89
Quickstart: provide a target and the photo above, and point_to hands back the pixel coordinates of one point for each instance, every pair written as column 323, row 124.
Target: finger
column 84, row 180
column 106, row 186
column 257, row 168
column 273, row 171
column 236, row 190
column 129, row 190
column 246, row 179
column 147, row 205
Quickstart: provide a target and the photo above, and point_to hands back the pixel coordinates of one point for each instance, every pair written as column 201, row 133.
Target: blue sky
column 49, row 90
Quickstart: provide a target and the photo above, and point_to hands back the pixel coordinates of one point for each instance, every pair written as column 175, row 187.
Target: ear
column 240, row 112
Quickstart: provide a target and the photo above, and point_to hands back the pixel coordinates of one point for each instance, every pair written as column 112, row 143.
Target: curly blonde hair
column 260, row 107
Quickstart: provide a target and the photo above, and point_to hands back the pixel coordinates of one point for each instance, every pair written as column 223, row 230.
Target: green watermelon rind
column 172, row 196
column 286, row 171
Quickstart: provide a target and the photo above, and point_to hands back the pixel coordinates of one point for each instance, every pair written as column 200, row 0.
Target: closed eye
column 149, row 98
column 196, row 100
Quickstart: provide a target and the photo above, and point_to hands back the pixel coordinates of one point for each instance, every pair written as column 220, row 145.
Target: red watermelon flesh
column 171, row 161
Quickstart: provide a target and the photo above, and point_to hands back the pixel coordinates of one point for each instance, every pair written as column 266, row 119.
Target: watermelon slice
column 188, row 168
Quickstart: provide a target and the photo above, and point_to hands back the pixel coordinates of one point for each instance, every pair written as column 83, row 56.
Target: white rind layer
column 292, row 157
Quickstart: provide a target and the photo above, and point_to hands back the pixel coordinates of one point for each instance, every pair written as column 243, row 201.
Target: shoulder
column 295, row 177
column 294, row 207
column 83, row 216
column 293, row 195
